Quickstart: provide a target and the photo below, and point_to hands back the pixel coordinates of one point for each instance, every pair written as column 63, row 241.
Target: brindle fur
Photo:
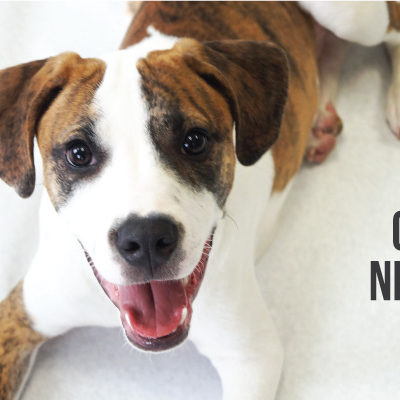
column 33, row 97
column 51, row 99
column 53, row 96
column 16, row 156
column 281, row 23
column 204, row 85
column 175, row 107
column 394, row 15
column 18, row 340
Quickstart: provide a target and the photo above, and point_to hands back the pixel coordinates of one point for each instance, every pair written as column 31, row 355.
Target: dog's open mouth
column 156, row 315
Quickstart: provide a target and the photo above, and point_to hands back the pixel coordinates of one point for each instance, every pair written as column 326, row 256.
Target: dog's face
column 139, row 158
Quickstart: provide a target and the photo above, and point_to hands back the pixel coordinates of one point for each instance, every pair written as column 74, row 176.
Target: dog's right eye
column 195, row 142
column 78, row 154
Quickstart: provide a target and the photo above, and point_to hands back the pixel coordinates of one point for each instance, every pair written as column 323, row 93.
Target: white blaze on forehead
column 133, row 180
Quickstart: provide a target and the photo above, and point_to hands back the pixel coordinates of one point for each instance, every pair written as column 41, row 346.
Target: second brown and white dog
column 165, row 166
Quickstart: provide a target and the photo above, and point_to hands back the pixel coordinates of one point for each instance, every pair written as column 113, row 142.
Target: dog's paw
column 327, row 126
column 327, row 120
column 393, row 109
column 320, row 145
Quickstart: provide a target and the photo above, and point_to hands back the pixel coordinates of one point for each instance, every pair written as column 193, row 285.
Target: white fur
column 134, row 179
column 365, row 23
column 230, row 324
column 60, row 290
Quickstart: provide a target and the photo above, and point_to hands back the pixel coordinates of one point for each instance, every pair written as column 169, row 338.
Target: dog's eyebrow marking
column 87, row 128
column 185, row 92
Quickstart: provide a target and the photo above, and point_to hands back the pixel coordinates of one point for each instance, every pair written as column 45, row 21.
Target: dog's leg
column 237, row 334
column 18, row 342
column 327, row 123
column 231, row 324
column 70, row 295
column 58, row 293
column 393, row 99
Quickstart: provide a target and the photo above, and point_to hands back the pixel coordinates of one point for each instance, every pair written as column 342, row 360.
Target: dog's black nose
column 147, row 242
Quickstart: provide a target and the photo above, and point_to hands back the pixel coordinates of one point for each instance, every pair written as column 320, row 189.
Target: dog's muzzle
column 156, row 315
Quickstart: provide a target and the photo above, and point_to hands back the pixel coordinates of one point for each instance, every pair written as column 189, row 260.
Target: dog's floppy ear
column 253, row 77
column 26, row 92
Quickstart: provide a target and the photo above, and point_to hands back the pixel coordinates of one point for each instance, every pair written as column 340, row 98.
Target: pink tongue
column 153, row 309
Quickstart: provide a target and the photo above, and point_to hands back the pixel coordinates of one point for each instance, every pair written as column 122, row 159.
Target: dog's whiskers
column 226, row 214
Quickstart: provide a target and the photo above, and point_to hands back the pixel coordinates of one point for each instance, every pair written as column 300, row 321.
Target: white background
column 338, row 217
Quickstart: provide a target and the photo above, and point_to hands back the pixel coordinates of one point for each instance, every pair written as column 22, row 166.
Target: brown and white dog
column 165, row 165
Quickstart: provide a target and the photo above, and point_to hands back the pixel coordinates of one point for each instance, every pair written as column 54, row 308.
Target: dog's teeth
column 184, row 315
column 185, row 280
column 127, row 318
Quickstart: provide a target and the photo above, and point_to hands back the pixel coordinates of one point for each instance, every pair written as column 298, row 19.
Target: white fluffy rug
column 316, row 276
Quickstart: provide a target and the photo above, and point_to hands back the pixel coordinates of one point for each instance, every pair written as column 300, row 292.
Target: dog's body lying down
column 168, row 162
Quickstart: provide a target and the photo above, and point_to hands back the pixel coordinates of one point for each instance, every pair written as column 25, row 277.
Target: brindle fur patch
column 18, row 340
column 250, row 76
column 16, row 145
column 71, row 115
column 280, row 22
column 179, row 100
column 394, row 15
column 46, row 98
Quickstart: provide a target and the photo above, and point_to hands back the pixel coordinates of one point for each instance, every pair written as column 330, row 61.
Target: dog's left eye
column 79, row 154
column 195, row 142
